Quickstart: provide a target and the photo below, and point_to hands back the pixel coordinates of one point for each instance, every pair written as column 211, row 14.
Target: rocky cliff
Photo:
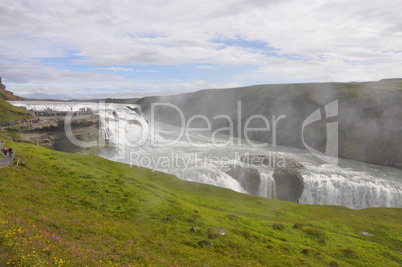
column 369, row 115
column 50, row 132
column 7, row 95
column 7, row 111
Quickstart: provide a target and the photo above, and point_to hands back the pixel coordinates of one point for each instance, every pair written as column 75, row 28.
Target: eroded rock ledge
column 288, row 180
column 50, row 132
column 289, row 184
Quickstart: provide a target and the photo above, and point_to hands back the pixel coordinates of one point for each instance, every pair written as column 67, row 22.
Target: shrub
column 348, row 252
column 333, row 264
column 244, row 233
column 317, row 233
column 233, row 217
column 298, row 226
column 22, row 164
column 278, row 226
column 305, row 251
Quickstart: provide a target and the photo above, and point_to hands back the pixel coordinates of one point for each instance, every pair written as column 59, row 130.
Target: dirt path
column 7, row 160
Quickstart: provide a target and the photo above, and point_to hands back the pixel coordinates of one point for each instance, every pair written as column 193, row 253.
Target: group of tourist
column 8, row 151
column 23, row 122
column 84, row 109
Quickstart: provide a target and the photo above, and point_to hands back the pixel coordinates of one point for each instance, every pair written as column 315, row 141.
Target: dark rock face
column 288, row 181
column 289, row 184
column 50, row 132
column 2, row 86
column 249, row 178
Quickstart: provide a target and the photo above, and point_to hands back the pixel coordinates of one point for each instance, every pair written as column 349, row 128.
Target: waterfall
column 353, row 192
column 212, row 177
column 357, row 186
column 267, row 188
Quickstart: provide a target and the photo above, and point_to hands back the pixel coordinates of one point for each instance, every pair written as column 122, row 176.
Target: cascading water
column 329, row 185
column 268, row 188
column 351, row 184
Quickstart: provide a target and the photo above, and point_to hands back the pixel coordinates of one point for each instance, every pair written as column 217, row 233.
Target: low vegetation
column 62, row 209
column 9, row 112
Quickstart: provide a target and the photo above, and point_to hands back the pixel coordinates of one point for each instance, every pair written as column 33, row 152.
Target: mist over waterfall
column 132, row 139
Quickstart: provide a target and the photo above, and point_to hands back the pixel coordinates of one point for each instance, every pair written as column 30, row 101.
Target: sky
column 134, row 48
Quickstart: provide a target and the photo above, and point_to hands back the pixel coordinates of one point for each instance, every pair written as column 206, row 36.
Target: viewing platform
column 53, row 113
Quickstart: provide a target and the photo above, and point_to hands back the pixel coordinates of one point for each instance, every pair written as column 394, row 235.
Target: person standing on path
column 10, row 151
column 5, row 151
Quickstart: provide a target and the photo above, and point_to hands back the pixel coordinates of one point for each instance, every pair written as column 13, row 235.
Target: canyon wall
column 369, row 115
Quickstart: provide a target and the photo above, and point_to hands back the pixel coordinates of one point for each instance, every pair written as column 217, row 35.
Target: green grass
column 9, row 112
column 63, row 209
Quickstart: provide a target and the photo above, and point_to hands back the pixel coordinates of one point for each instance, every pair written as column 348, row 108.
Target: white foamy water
column 352, row 184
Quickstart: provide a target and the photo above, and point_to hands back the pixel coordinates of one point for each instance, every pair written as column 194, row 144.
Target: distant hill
column 369, row 119
column 108, row 100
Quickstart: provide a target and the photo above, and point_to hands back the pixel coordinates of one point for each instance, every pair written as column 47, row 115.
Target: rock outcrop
column 249, row 178
column 7, row 95
column 288, row 180
column 215, row 232
column 289, row 184
column 51, row 133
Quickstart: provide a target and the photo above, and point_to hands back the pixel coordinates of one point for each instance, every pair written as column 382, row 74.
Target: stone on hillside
column 215, row 232
column 169, row 218
column 204, row 243
column 366, row 234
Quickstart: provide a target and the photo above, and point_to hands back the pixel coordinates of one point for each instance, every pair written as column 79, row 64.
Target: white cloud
column 120, row 69
column 313, row 40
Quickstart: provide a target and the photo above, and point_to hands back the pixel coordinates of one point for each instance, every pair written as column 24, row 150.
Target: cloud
column 49, row 42
column 119, row 69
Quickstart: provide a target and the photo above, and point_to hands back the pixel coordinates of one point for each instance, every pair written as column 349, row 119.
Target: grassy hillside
column 76, row 210
column 9, row 112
